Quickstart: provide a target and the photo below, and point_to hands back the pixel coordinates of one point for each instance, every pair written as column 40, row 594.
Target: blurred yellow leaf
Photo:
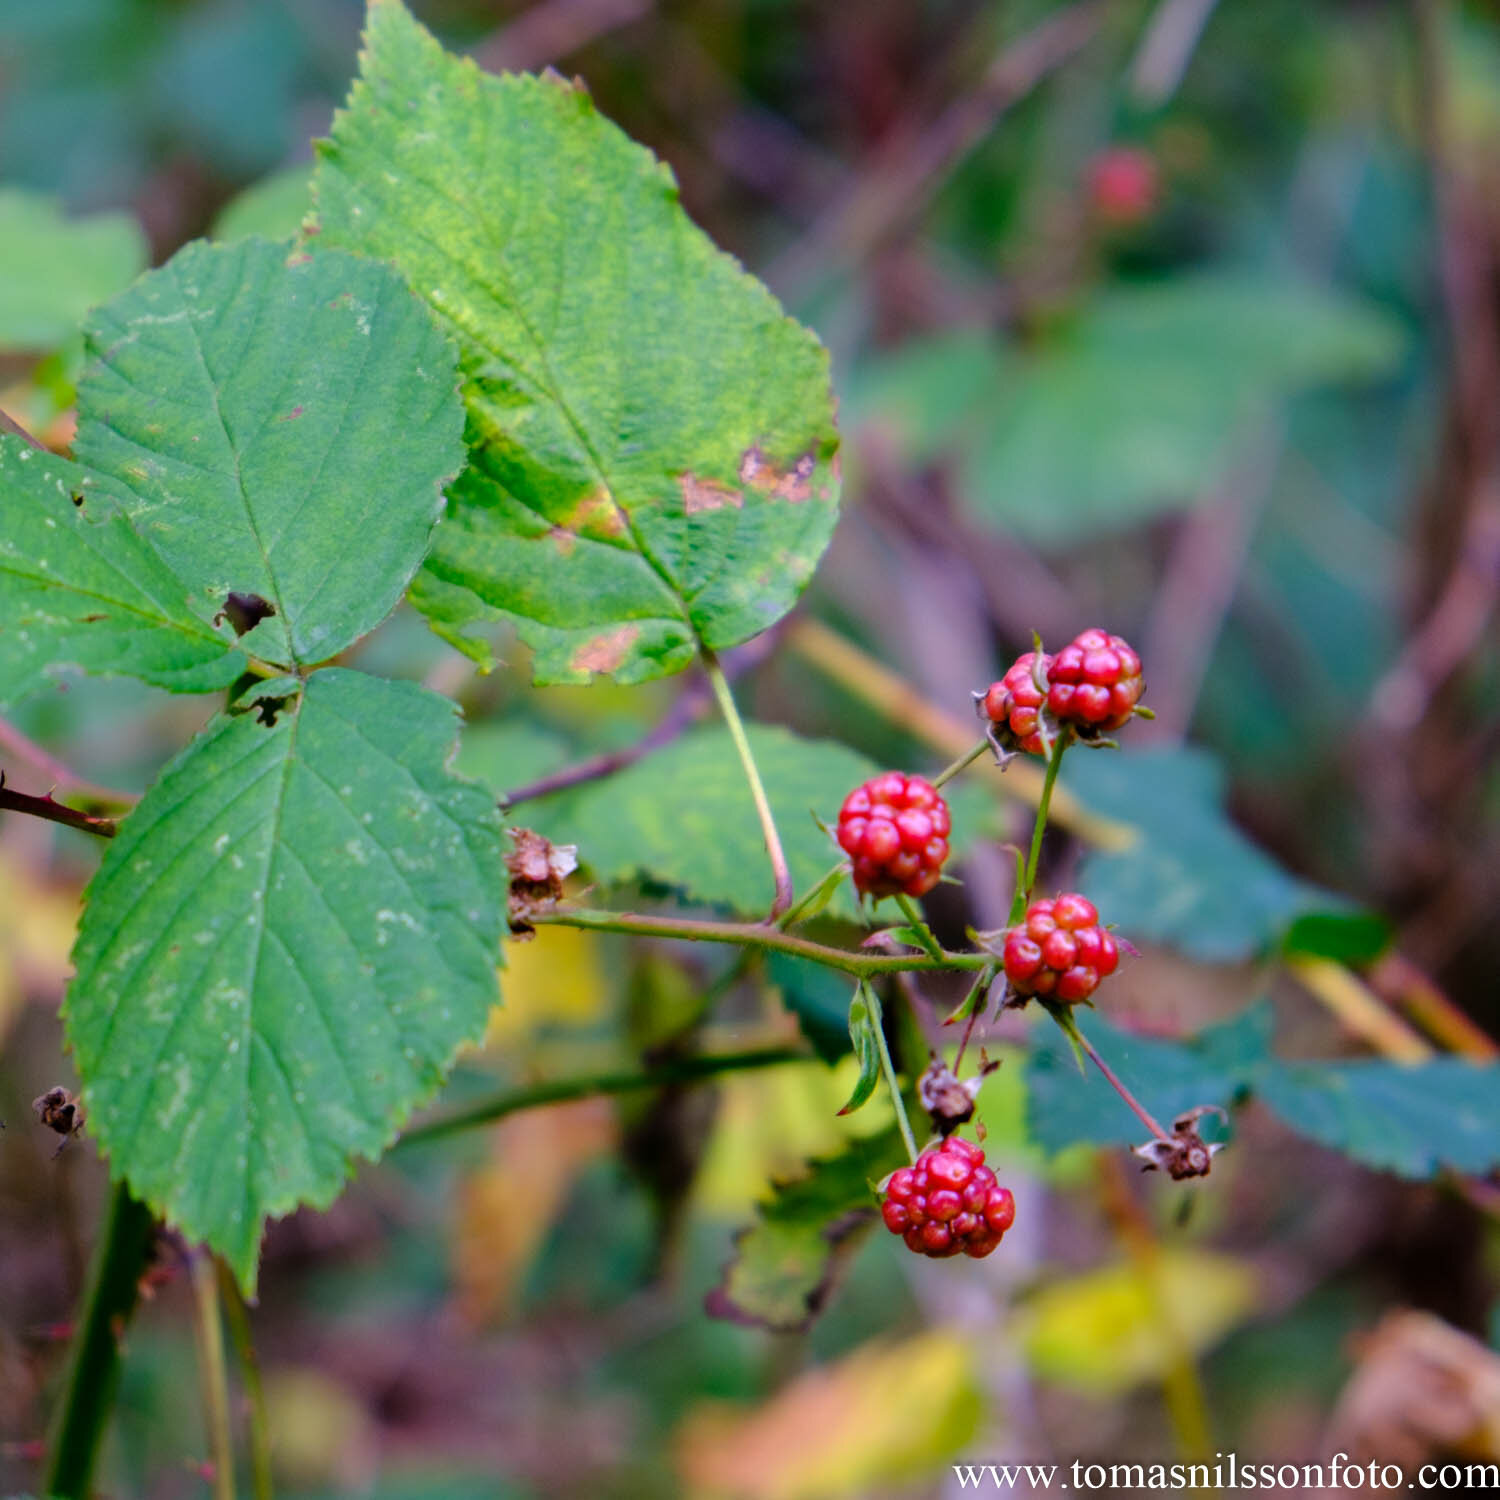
column 321, row 1435
column 772, row 1122
column 886, row 1414
column 37, row 923
column 506, row 1208
column 555, row 979
column 1121, row 1326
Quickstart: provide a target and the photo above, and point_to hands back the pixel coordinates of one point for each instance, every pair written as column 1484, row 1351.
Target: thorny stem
column 15, row 743
column 563, row 1090
column 913, row 914
column 123, row 1251
column 757, row 935
column 893, row 1084
column 55, row 812
column 965, row 760
column 209, row 1328
column 238, row 1319
column 736, row 726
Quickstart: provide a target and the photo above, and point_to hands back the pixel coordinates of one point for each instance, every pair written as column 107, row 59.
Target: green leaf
column 283, row 426
column 56, row 268
column 864, row 1027
column 79, row 587
column 683, row 817
column 280, row 954
column 1413, row 1120
column 274, row 207
column 1191, row 878
column 786, row 1263
column 1064, row 1108
column 818, row 997
column 1410, row 1120
column 1136, row 407
column 652, row 439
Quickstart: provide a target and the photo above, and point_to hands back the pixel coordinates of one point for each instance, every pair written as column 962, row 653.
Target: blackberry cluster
column 1059, row 950
column 948, row 1203
column 894, row 829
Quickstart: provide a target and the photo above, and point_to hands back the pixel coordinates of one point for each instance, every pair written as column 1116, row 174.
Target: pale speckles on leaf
column 699, row 495
column 763, row 474
column 605, row 653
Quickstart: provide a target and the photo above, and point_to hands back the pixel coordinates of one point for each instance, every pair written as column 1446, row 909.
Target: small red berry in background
column 1059, row 950
column 1014, row 704
column 1095, row 682
column 895, row 830
column 948, row 1202
column 1124, row 185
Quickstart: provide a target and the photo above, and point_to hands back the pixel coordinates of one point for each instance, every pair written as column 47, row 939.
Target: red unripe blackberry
column 894, row 829
column 948, row 1202
column 1059, row 950
column 1124, row 184
column 1014, row 704
column 1095, row 682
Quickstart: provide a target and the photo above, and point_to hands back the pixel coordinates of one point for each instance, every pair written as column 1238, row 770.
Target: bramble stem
column 963, row 762
column 913, row 914
column 779, row 868
column 15, row 743
column 78, row 1429
column 1064, row 1019
column 1054, row 765
column 892, row 1082
column 210, row 1338
column 564, row 1090
column 757, row 935
column 238, row 1319
column 54, row 812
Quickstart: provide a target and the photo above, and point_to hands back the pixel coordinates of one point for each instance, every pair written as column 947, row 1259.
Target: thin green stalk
column 1054, row 764
column 238, row 1318
column 779, row 868
column 562, row 1090
column 212, row 1373
column 756, row 935
column 823, row 889
column 78, row 1429
column 962, row 763
column 893, row 1084
column 918, row 923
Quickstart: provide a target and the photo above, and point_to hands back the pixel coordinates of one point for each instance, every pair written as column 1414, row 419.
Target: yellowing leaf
column 886, row 1414
column 772, row 1121
column 1111, row 1329
column 557, row 978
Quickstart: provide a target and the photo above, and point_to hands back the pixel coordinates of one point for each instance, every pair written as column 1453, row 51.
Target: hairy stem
column 965, row 760
column 563, row 1090
column 757, row 935
column 918, row 923
column 209, row 1328
column 238, row 1318
column 88, row 1395
column 893, row 1083
column 779, row 869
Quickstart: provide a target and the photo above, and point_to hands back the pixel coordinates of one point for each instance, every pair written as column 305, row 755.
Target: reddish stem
column 54, row 812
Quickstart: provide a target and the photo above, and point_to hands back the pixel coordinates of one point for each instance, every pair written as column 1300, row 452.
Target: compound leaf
column 79, row 587
column 283, row 949
column 652, row 439
column 282, row 427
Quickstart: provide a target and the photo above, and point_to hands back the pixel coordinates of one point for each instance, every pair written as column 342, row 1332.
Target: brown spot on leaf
column 564, row 540
column 792, row 482
column 595, row 516
column 707, row 494
column 605, row 652
column 292, row 415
